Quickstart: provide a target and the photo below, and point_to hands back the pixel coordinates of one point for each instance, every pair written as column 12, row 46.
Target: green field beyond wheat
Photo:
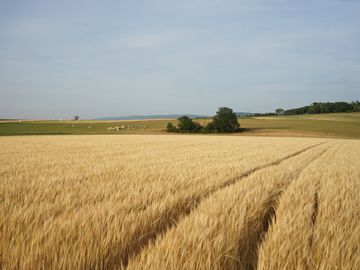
column 179, row 202
column 332, row 125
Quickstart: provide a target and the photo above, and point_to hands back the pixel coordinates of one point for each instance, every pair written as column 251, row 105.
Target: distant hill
column 163, row 116
column 243, row 113
column 157, row 116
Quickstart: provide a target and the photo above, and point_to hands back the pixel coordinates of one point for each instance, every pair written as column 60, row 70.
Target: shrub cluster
column 224, row 121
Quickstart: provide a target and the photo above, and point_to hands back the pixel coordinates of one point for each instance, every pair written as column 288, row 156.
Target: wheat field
column 179, row 202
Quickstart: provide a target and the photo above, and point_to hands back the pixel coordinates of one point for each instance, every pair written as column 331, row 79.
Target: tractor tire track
column 310, row 219
column 269, row 214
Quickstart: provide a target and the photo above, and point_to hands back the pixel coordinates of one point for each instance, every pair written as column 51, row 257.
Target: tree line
column 225, row 121
column 316, row 108
column 326, row 107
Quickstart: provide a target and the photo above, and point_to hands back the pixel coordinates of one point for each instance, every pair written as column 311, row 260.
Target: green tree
column 225, row 120
column 171, row 128
column 279, row 111
column 355, row 106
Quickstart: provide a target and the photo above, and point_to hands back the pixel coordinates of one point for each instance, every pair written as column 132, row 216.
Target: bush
column 171, row 128
column 187, row 125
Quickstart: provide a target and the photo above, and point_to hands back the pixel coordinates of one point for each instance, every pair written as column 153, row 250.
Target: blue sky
column 111, row 58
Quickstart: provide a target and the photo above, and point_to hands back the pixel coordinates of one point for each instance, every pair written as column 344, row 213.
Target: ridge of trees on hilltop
column 326, row 107
column 317, row 108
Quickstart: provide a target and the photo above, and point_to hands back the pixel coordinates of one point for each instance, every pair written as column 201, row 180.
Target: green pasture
column 342, row 125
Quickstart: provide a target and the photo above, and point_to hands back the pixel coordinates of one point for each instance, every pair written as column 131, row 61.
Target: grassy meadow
column 8, row 128
column 179, row 202
column 342, row 125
